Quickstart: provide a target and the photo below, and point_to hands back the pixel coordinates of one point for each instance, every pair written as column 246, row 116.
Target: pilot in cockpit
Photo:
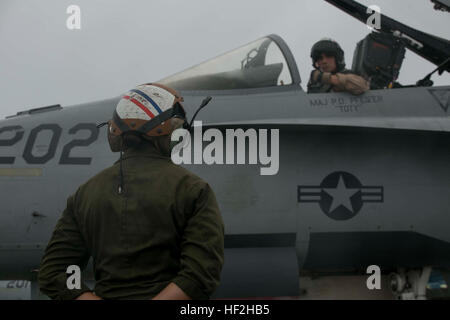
column 330, row 73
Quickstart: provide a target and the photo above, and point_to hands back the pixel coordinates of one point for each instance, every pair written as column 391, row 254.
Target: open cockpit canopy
column 266, row 62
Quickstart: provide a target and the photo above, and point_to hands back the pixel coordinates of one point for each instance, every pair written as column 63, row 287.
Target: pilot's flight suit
column 348, row 81
column 165, row 227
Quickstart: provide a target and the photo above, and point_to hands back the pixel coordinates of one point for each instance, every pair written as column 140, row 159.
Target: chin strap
column 121, row 170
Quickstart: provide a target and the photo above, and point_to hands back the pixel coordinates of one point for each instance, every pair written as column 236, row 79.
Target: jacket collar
column 147, row 150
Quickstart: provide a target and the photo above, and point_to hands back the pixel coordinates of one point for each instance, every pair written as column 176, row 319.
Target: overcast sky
column 125, row 43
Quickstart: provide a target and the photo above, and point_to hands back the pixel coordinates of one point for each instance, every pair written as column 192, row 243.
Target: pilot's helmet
column 149, row 110
column 330, row 48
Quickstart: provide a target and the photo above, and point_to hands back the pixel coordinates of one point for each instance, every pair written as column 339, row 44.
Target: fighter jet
column 360, row 180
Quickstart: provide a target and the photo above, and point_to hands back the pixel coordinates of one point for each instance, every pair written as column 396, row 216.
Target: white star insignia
column 341, row 195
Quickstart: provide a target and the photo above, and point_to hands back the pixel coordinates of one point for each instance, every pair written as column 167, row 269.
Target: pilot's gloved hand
column 324, row 77
column 316, row 75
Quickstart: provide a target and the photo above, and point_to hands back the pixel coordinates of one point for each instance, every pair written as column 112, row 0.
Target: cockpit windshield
column 258, row 64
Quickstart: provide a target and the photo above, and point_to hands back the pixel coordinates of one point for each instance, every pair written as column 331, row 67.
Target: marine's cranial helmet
column 146, row 111
column 330, row 48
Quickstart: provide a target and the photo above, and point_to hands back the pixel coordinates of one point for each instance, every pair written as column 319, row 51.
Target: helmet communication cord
column 202, row 105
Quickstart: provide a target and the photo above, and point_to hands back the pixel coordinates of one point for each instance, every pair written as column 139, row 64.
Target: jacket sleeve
column 66, row 247
column 352, row 83
column 202, row 245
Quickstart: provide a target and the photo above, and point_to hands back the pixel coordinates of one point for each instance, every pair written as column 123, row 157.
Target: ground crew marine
column 149, row 225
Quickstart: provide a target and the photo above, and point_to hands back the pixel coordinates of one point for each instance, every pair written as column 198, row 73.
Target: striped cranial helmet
column 146, row 111
column 149, row 110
